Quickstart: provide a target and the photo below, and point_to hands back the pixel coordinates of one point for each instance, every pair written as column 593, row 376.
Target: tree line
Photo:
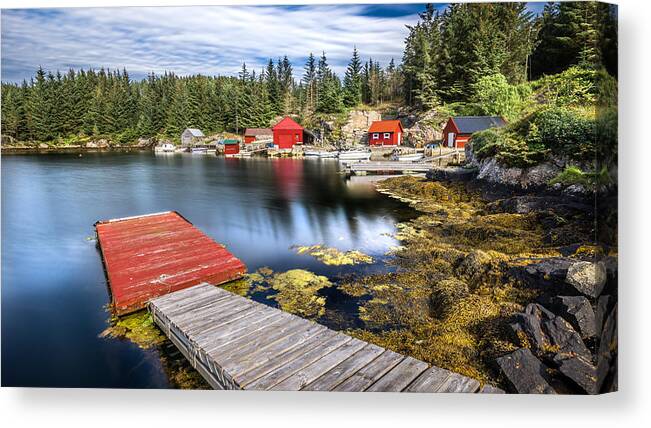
column 446, row 54
column 108, row 103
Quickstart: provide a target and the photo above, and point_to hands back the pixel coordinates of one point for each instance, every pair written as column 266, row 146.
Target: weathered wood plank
column 430, row 380
column 318, row 351
column 458, row 383
column 227, row 332
column 400, row 376
column 324, row 364
column 369, row 374
column 276, row 361
column 345, row 369
column 278, row 350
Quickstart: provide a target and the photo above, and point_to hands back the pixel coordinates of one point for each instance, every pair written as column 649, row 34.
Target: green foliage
column 565, row 132
column 575, row 86
column 572, row 175
column 494, row 96
column 507, row 147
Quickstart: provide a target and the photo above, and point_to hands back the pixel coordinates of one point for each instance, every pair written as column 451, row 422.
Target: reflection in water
column 53, row 284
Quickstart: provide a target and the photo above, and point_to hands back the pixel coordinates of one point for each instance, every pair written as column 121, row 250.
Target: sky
column 207, row 40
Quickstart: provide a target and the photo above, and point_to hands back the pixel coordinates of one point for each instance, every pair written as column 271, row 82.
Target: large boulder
column 545, row 273
column 604, row 306
column 548, row 334
column 588, row 278
column 525, row 373
column 579, row 371
column 526, row 178
column 578, row 311
column 607, row 353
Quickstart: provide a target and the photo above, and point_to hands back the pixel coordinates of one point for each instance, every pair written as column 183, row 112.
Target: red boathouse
column 459, row 129
column 155, row 254
column 385, row 133
column 254, row 134
column 287, row 133
column 231, row 147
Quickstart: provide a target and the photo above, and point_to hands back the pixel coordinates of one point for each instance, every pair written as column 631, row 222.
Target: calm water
column 53, row 285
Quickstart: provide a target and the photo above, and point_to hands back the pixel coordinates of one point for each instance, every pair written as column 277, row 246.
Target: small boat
column 165, row 148
column 199, row 151
column 412, row 157
column 312, row 153
column 355, row 155
column 328, row 155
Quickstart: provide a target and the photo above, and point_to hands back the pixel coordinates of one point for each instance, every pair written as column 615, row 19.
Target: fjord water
column 54, row 289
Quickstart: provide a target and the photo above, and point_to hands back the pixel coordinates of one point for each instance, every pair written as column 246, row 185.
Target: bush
column 574, row 175
column 507, row 148
column 573, row 87
column 494, row 96
column 564, row 131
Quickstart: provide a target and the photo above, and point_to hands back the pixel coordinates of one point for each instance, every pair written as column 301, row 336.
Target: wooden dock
column 151, row 255
column 236, row 343
column 388, row 167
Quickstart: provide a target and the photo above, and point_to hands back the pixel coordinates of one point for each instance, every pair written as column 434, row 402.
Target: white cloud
column 187, row 40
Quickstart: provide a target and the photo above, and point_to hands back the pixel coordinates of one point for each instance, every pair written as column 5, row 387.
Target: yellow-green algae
column 297, row 292
column 333, row 256
column 450, row 298
column 138, row 327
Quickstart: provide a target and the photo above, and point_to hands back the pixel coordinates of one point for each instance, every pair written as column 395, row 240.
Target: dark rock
column 588, row 278
column 528, row 326
column 604, row 305
column 451, row 174
column 580, row 371
column 563, row 338
column 547, row 333
column 578, row 311
column 607, row 354
column 546, row 273
column 525, row 373
column 527, row 204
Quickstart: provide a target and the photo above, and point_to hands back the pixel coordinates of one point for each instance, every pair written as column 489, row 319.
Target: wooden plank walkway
column 152, row 255
column 236, row 343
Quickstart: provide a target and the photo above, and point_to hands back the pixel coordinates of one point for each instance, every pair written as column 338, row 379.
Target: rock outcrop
column 525, row 373
column 355, row 130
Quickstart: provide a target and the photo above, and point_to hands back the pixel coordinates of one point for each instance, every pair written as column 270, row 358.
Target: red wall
column 381, row 141
column 231, row 149
column 460, row 139
column 248, row 139
column 286, row 138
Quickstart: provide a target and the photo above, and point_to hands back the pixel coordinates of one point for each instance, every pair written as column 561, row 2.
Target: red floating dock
column 155, row 254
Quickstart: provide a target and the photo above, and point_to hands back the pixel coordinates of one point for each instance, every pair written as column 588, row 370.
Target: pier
column 236, row 343
column 151, row 255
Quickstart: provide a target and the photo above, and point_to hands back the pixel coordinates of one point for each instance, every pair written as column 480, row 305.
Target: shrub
column 565, row 132
column 494, row 96
column 507, row 148
column 574, row 175
column 573, row 87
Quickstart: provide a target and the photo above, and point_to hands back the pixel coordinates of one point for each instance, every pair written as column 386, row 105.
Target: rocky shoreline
column 544, row 290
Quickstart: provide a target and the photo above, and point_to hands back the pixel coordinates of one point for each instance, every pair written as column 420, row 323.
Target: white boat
column 312, row 153
column 199, row 151
column 165, row 148
column 355, row 155
column 412, row 157
column 328, row 155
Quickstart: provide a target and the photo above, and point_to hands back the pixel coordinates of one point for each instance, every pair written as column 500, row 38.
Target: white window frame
column 387, row 135
column 376, row 136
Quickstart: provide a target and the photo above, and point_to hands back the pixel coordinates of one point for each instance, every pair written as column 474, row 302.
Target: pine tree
column 353, row 81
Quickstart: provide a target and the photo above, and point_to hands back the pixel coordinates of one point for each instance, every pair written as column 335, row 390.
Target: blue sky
column 202, row 39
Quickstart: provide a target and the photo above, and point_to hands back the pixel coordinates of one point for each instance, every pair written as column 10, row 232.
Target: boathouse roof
column 471, row 124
